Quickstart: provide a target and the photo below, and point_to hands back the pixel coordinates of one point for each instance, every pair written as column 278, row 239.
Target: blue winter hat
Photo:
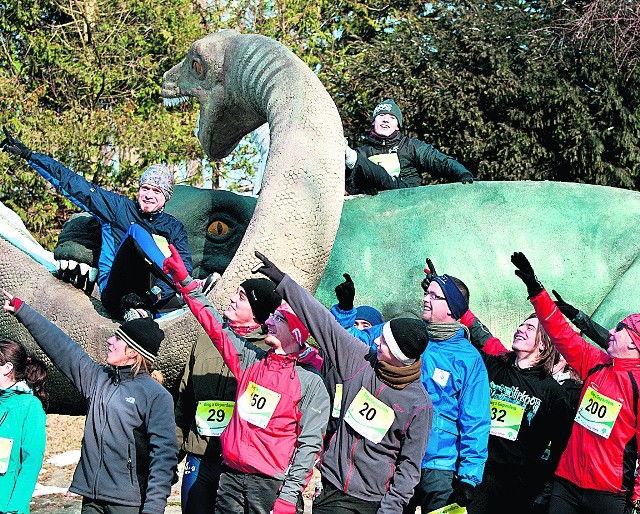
column 388, row 106
column 370, row 314
column 457, row 303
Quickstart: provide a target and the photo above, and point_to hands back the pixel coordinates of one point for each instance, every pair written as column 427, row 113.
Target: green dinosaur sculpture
column 579, row 238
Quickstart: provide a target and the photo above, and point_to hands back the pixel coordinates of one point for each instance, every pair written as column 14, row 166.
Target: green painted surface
column 580, row 239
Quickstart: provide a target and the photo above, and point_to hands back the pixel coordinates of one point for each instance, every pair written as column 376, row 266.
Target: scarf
column 398, row 377
column 242, row 330
column 444, row 331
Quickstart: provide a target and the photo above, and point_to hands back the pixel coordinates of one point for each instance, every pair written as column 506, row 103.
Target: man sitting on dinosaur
column 130, row 276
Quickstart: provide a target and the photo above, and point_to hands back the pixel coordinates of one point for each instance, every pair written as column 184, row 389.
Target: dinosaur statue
column 241, row 82
column 579, row 238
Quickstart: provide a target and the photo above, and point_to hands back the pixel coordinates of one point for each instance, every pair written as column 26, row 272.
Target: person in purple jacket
column 372, row 462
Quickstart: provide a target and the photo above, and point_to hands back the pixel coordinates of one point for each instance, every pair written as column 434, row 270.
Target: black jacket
column 415, row 159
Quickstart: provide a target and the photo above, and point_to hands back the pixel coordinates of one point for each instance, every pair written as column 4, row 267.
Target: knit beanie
column 370, row 314
column 143, row 335
column 262, row 296
column 633, row 322
column 388, row 106
column 406, row 338
column 160, row 176
column 298, row 330
column 457, row 303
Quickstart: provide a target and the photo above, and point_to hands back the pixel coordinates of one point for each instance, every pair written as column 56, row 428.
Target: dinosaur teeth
column 84, row 268
column 93, row 273
column 172, row 102
column 72, row 265
column 63, row 264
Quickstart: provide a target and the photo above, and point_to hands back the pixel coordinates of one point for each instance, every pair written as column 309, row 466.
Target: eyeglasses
column 433, row 296
column 622, row 325
column 279, row 317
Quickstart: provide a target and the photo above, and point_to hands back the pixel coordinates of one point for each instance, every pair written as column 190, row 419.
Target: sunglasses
column 622, row 325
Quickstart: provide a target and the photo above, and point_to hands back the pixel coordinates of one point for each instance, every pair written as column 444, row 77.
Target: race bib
column 162, row 244
column 369, row 416
column 454, row 508
column 389, row 161
column 337, row 402
column 505, row 419
column 5, row 454
column 597, row 412
column 257, row 404
column 440, row 376
column 212, row 417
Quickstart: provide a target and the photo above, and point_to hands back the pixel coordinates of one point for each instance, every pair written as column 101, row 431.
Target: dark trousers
column 245, row 493
column 200, row 484
column 334, row 501
column 90, row 506
column 507, row 489
column 432, row 491
column 568, row 498
column 135, row 268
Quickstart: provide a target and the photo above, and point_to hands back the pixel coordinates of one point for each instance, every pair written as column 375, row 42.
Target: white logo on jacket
column 130, row 399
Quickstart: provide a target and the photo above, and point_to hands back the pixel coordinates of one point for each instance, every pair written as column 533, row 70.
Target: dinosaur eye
column 218, row 228
column 196, row 66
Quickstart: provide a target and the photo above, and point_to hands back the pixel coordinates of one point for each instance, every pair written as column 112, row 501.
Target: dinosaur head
column 203, row 75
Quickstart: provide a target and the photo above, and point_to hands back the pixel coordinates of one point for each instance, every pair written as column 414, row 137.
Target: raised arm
column 597, row 333
column 341, row 349
column 579, row 354
column 66, row 354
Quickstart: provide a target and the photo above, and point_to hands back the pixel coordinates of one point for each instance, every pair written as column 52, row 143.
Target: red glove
column 174, row 266
column 283, row 507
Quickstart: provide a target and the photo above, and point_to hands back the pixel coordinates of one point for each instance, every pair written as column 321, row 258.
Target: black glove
column 345, row 293
column 526, row 274
column 565, row 308
column 462, row 494
column 268, row 269
column 467, row 179
column 12, row 145
column 431, row 273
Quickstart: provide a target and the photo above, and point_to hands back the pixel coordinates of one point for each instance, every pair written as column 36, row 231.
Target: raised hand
column 174, row 265
column 268, row 269
column 565, row 308
column 345, row 293
column 431, row 273
column 14, row 146
column 526, row 274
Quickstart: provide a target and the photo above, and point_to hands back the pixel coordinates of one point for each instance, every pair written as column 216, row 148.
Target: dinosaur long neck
column 301, row 199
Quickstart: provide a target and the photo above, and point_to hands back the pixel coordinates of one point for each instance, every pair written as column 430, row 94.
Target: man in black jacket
column 391, row 160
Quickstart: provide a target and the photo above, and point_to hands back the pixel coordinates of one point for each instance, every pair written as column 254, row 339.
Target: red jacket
column 591, row 461
column 286, row 447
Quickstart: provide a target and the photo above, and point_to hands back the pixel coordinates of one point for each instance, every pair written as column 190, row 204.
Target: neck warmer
column 443, row 331
column 242, row 330
column 374, row 135
column 398, row 377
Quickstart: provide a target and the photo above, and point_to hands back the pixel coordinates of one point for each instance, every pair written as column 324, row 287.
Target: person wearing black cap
column 455, row 377
column 129, row 448
column 208, row 387
column 372, row 462
column 391, row 160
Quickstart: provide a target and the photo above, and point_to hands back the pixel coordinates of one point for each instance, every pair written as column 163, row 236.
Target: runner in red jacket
column 596, row 471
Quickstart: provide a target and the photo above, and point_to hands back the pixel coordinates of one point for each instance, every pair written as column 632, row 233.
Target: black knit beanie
column 143, row 335
column 406, row 338
column 262, row 296
column 388, row 106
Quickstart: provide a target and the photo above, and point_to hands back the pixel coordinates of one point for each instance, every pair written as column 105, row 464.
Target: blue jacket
column 116, row 214
column 461, row 415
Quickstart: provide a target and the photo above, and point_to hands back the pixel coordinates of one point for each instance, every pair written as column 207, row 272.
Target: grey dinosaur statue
column 241, row 82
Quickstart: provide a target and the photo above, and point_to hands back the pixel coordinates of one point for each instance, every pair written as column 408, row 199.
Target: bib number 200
column 595, row 408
